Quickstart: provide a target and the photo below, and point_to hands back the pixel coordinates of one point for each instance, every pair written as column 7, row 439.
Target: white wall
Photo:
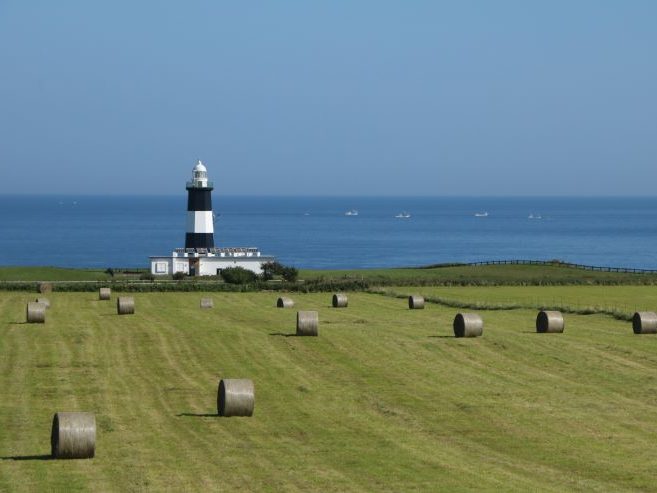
column 207, row 265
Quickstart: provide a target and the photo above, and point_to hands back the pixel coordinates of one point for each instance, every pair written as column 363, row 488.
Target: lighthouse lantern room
column 200, row 257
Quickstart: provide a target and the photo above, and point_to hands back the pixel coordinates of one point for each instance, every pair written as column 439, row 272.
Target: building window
column 161, row 267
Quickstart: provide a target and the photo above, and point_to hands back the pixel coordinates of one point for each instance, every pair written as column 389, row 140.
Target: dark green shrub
column 269, row 270
column 178, row 276
column 290, row 274
column 238, row 275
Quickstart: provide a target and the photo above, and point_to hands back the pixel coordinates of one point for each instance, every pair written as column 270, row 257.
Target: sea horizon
column 123, row 231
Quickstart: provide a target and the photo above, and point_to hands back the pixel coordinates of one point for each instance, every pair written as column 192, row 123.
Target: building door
column 193, row 267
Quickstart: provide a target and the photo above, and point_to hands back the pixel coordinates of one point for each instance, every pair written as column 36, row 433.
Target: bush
column 147, row 276
column 270, row 269
column 238, row 275
column 178, row 276
column 290, row 274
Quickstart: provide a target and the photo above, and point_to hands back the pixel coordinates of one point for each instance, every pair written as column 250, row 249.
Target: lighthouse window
column 161, row 267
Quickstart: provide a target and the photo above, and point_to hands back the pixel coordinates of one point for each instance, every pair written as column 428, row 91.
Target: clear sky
column 329, row 98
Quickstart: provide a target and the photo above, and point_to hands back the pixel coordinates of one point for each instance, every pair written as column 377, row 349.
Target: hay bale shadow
column 441, row 337
column 282, row 334
column 28, row 457
column 197, row 415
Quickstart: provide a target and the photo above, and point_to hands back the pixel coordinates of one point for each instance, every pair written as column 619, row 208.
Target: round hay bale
column 549, row 322
column 236, row 397
column 35, row 313
column 284, row 302
column 73, row 436
column 468, row 325
column 125, row 305
column 644, row 323
column 340, row 300
column 307, row 323
column 43, row 301
column 207, row 303
column 416, row 302
column 44, row 287
column 104, row 294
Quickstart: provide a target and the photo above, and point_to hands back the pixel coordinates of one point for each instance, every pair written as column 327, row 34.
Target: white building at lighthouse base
column 208, row 262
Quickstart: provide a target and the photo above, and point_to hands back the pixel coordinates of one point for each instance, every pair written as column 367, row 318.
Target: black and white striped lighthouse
column 200, row 228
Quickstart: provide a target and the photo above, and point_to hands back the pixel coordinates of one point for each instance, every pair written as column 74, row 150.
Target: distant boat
column 532, row 216
column 403, row 215
column 352, row 212
column 481, row 214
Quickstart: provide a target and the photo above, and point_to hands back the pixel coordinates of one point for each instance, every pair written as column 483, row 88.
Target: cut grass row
column 384, row 399
column 618, row 302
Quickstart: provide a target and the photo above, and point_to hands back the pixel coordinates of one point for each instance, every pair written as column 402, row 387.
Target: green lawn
column 510, row 274
column 50, row 274
column 383, row 400
column 476, row 275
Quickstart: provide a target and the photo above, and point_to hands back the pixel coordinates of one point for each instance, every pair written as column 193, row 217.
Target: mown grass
column 621, row 302
column 383, row 400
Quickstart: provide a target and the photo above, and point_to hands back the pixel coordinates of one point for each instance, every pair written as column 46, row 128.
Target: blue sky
column 329, row 98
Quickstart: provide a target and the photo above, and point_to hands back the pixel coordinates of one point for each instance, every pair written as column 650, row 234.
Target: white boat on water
column 403, row 215
column 352, row 212
column 481, row 214
column 532, row 216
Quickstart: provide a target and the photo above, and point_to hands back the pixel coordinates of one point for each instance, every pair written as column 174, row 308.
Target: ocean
column 314, row 232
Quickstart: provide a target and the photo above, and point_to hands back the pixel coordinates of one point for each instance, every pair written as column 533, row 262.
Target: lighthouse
column 200, row 257
column 200, row 228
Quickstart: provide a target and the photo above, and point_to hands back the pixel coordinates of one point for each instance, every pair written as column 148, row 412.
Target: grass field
column 481, row 274
column 511, row 274
column 50, row 274
column 384, row 399
column 627, row 299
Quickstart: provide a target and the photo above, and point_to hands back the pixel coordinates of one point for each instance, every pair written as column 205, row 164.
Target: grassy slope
column 490, row 273
column 384, row 399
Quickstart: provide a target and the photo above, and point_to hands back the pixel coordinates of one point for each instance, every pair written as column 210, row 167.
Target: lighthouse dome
column 200, row 167
column 199, row 176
